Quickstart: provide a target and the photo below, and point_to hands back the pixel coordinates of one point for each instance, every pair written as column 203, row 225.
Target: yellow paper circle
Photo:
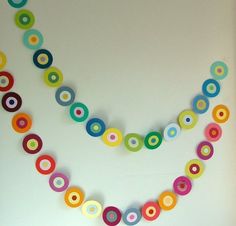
column 3, row 60
column 112, row 137
column 91, row 209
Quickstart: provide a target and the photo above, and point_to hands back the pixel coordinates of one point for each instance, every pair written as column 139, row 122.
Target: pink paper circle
column 182, row 185
column 200, row 150
column 213, row 132
column 63, row 177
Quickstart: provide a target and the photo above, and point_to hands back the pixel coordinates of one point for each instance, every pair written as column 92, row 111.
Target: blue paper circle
column 128, row 221
column 195, row 106
column 17, row 3
column 100, row 127
column 27, row 35
column 67, row 90
column 38, row 63
column 171, row 131
column 211, row 88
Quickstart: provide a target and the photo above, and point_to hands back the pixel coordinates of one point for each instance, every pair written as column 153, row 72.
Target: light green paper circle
column 139, row 140
column 27, row 13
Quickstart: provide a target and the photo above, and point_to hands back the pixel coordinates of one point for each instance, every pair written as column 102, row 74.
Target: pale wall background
column 136, row 64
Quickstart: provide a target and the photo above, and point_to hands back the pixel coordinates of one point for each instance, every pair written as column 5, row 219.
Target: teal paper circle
column 28, row 34
column 79, row 107
column 17, row 3
column 220, row 65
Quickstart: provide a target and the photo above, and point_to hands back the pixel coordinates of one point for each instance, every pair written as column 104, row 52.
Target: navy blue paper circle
column 41, row 64
column 95, row 127
column 208, row 91
column 128, row 221
column 60, row 99
column 197, row 109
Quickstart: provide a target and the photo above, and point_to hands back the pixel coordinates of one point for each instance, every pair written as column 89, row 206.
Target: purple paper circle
column 111, row 216
column 182, row 185
column 58, row 182
column 200, row 150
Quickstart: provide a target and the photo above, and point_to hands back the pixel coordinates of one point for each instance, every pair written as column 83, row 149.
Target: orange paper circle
column 220, row 113
column 21, row 122
column 74, row 197
column 167, row 200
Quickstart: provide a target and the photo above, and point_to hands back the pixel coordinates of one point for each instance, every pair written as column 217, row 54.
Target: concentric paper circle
column 151, row 211
column 111, row 216
column 45, row 164
column 95, row 127
column 153, row 140
column 53, row 77
column 42, row 58
column 220, row 113
column 171, row 132
column 194, row 168
column 133, row 142
column 33, row 39
column 205, row 150
column 200, row 104
column 32, row 143
column 219, row 70
column 187, row 119
column 112, row 137
column 132, row 216
column 24, row 19
column 211, row 88
column 58, row 182
column 182, row 185
column 11, row 102
column 21, row 122
column 74, row 197
column 17, row 3
column 91, row 209
column 6, row 81
column 167, row 200
column 65, row 96
column 213, row 132
column 79, row 112
column 3, row 60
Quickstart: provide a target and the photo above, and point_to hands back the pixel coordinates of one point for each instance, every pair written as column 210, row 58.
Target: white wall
column 136, row 64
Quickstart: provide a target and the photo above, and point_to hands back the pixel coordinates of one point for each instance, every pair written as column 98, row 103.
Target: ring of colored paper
column 24, row 19
column 42, row 58
column 58, row 182
column 111, row 216
column 132, row 216
column 133, row 142
column 95, row 127
column 79, row 112
column 187, row 119
column 213, row 132
column 33, row 39
column 153, row 140
column 200, row 104
column 6, row 81
column 151, row 211
column 112, row 137
column 219, row 70
column 74, row 197
column 65, row 96
column 53, row 77
column 211, row 88
column 17, row 3
column 171, row 132
column 182, row 185
column 91, row 209
column 21, row 122
column 167, row 200
column 11, row 102
column 194, row 168
column 45, row 164
column 220, row 113
column 205, row 150
column 32, row 143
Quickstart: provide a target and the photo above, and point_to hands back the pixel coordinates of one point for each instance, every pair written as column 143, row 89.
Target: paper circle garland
column 200, row 104
column 213, row 132
column 24, row 19
column 17, row 3
column 111, row 216
column 65, row 96
column 79, row 112
column 58, row 182
column 220, row 113
column 6, row 81
column 205, row 150
column 3, row 60
column 131, row 216
column 21, row 122
column 194, row 168
column 151, row 211
column 91, row 209
column 95, row 127
column 167, row 200
column 153, row 140
column 171, row 132
column 45, row 164
column 187, row 119
column 74, row 197
column 32, row 143
column 182, row 185
column 211, row 88
column 219, row 70
column 112, row 137
column 33, row 39
column 133, row 142
column 42, row 58
column 11, row 102
column 53, row 77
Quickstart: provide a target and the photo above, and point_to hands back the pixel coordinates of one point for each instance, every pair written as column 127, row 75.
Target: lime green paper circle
column 24, row 19
column 153, row 140
column 194, row 162
column 186, row 115
column 131, row 146
column 53, row 77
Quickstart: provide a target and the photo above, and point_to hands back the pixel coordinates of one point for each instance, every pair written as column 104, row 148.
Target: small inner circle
column 112, row 137
column 74, row 197
column 78, row 112
column 153, row 140
column 151, row 211
column 221, row 113
column 187, row 119
column 11, row 102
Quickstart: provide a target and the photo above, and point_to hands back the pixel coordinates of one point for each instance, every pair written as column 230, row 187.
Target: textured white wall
column 136, row 64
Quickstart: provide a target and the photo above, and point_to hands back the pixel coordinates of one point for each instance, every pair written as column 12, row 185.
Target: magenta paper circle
column 205, row 145
column 111, row 216
column 58, row 182
column 213, row 132
column 182, row 185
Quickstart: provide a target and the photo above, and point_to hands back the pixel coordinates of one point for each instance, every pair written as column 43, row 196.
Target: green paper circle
column 137, row 138
column 151, row 144
column 17, row 4
column 19, row 19
column 83, row 107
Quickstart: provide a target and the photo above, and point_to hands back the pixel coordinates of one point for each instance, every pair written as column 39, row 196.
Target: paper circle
column 65, row 96
column 187, row 119
column 11, row 102
column 21, row 122
column 111, row 216
column 151, row 211
column 24, row 19
column 205, row 150
column 6, row 81
column 211, row 88
column 91, row 209
column 58, row 182
column 112, row 137
column 17, row 3
column 171, row 132
column 219, row 70
column 220, row 113
column 194, row 169
column 132, row 216
column 3, row 60
column 79, row 112
column 74, row 197
column 53, row 77
column 200, row 104
column 32, row 143
column 33, row 39
column 153, row 140
column 95, row 127
column 42, row 58
column 45, row 164
column 213, row 132
column 133, row 142
column 167, row 200
column 182, row 185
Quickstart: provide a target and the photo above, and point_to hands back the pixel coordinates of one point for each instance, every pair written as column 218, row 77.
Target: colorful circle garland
column 167, row 200
column 24, row 19
column 21, row 122
column 42, row 58
column 211, row 88
column 213, row 132
column 219, row 70
column 151, row 211
column 95, row 127
column 171, row 132
column 58, row 182
column 65, row 96
column 79, row 112
column 133, row 142
column 45, row 164
column 187, row 119
column 182, row 185
column 32, row 143
column 132, row 216
column 6, row 81
column 153, row 140
column 33, row 39
column 11, row 102
column 74, row 197
column 53, row 77
column 91, row 209
column 112, row 137
column 205, row 150
column 200, row 104
column 194, row 169
column 220, row 113
column 111, row 216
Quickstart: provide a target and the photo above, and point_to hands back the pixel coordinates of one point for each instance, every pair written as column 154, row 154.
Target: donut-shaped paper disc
column 42, row 58
column 11, row 102
column 58, row 182
column 132, row 216
column 182, row 185
column 95, row 127
column 53, row 77
column 200, row 104
column 187, row 119
column 45, row 164
column 74, row 197
column 32, row 143
column 17, row 3
column 220, row 113
column 213, row 132
column 211, row 88
column 6, row 81
column 33, row 39
column 91, row 209
column 24, row 19
column 3, row 60
column 65, row 96
column 151, row 211
column 153, row 140
column 171, row 132
column 111, row 216
column 219, row 70
column 194, row 168
column 21, row 122
column 167, row 200
column 112, row 137
column 205, row 150
column 79, row 112
column 133, row 142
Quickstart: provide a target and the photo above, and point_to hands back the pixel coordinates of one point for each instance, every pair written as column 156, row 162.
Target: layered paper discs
column 187, row 119
column 42, row 58
column 21, row 122
column 11, row 102
column 33, row 39
column 58, row 182
column 213, row 132
column 211, row 88
column 200, row 104
column 153, row 140
column 151, row 211
column 65, row 96
column 74, row 197
column 111, row 216
column 95, row 127
column 79, row 112
column 32, row 143
column 219, row 70
column 91, row 209
column 112, row 137
column 24, row 19
column 167, row 200
column 53, row 77
column 133, row 142
column 6, row 81
column 194, row 168
column 182, row 185
column 132, row 216
column 220, row 113
column 205, row 150
column 171, row 132
column 17, row 3
column 45, row 164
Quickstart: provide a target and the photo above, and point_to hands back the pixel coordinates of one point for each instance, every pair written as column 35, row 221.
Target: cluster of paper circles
column 213, row 132
column 153, row 140
column 6, row 81
column 91, row 209
column 171, row 131
column 211, row 88
column 33, row 39
column 58, row 182
column 220, row 113
column 133, row 142
column 151, row 211
column 42, row 58
column 205, row 150
column 65, row 96
column 79, row 112
column 219, row 70
column 131, row 216
column 95, row 127
column 32, row 143
column 74, row 197
column 167, row 200
column 182, row 185
column 24, row 19
column 11, row 102
column 194, row 168
column 187, row 119
column 45, row 164
column 3, row 60
column 112, row 137
column 53, row 77
column 111, row 216
column 200, row 104
column 17, row 3
column 21, row 122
